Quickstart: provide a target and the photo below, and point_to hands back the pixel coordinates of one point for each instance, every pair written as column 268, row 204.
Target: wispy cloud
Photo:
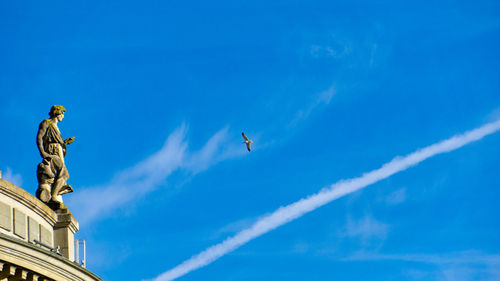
column 96, row 202
column 366, row 229
column 397, row 197
column 9, row 176
column 217, row 149
column 495, row 115
column 295, row 210
column 455, row 266
column 337, row 51
column 463, row 257
column 322, row 98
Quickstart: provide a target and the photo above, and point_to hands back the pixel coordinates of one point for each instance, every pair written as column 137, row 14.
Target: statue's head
column 56, row 110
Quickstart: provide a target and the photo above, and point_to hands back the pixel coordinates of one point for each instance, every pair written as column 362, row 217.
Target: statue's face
column 60, row 117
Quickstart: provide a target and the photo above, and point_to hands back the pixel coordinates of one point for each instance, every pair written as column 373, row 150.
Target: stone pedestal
column 64, row 233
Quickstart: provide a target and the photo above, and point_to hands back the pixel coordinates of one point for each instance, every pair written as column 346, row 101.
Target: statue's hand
column 69, row 140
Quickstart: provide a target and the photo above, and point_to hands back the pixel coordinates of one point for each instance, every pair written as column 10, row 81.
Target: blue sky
column 158, row 92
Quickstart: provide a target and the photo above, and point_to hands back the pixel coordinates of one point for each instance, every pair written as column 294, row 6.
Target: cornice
column 28, row 200
column 42, row 261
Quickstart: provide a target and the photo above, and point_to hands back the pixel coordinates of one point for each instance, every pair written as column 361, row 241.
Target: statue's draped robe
column 52, row 167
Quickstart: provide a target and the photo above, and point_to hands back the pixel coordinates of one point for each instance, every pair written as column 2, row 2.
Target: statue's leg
column 45, row 180
column 43, row 192
column 60, row 182
column 56, row 188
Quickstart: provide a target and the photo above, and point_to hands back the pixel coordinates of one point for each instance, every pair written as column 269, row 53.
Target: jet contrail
column 295, row 210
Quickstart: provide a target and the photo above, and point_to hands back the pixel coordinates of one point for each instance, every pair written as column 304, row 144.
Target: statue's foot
column 66, row 189
column 56, row 205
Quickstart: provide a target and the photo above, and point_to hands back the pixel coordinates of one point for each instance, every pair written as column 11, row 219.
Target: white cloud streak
column 216, row 149
column 97, row 202
column 295, row 210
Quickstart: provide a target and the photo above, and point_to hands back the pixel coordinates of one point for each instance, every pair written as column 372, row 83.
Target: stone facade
column 36, row 243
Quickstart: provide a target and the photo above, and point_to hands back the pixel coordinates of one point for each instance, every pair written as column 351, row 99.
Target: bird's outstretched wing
column 245, row 137
column 248, row 146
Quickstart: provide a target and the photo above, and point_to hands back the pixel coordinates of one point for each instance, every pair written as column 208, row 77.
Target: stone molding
column 12, row 272
column 28, row 200
column 40, row 262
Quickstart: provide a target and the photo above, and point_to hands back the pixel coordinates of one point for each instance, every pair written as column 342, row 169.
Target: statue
column 51, row 172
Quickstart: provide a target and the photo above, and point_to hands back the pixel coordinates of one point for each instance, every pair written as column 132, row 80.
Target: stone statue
column 51, row 172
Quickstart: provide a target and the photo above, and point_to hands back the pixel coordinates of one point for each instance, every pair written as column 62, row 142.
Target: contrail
column 295, row 210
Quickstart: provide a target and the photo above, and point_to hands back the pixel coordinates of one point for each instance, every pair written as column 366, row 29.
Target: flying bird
column 247, row 141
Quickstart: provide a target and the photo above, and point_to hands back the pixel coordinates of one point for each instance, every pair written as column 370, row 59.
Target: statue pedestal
column 64, row 233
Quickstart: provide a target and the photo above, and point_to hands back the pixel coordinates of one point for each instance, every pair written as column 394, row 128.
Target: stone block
column 5, row 217
column 33, row 230
column 64, row 233
column 19, row 223
column 45, row 236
